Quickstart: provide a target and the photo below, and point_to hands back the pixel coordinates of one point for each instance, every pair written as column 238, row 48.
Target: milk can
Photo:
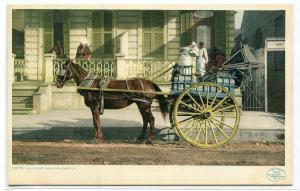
column 185, row 58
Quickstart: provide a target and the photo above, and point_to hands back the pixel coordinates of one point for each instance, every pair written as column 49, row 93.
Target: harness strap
column 142, row 85
column 126, row 84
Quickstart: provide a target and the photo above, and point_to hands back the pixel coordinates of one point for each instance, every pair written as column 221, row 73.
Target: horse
column 115, row 100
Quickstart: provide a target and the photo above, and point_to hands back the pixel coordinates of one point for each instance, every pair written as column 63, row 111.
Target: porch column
column 49, row 68
column 13, row 56
column 121, row 56
column 121, row 67
column 124, row 44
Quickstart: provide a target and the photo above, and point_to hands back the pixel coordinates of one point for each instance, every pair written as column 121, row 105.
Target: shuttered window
column 186, row 28
column 56, row 27
column 48, row 31
column 102, row 34
column 153, row 34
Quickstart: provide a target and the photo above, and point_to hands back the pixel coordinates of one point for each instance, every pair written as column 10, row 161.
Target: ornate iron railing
column 152, row 69
column 19, row 65
column 100, row 67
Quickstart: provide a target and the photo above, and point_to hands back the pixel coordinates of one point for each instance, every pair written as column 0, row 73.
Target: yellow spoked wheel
column 206, row 115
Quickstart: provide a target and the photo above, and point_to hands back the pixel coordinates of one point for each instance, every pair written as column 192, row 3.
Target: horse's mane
column 79, row 69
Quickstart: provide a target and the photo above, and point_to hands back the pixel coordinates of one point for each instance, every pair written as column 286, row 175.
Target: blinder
column 63, row 73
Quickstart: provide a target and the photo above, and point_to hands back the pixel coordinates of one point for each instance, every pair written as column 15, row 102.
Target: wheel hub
column 207, row 115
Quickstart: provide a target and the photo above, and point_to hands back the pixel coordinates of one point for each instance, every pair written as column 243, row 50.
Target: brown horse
column 114, row 100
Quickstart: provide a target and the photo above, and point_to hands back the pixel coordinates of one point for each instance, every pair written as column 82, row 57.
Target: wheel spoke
column 230, row 116
column 206, row 133
column 190, row 130
column 200, row 97
column 189, row 106
column 207, row 95
column 213, row 132
column 219, row 129
column 199, row 131
column 216, row 106
column 194, row 100
column 228, row 107
column 187, row 113
column 223, row 123
column 213, row 101
column 182, row 121
column 185, row 127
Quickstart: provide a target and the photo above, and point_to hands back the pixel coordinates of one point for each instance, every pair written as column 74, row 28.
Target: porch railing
column 100, row 67
column 19, row 66
column 152, row 69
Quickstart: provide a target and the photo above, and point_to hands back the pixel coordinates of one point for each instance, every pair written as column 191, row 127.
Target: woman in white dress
column 201, row 60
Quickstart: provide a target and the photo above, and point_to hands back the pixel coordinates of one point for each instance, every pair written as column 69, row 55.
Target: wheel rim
column 206, row 115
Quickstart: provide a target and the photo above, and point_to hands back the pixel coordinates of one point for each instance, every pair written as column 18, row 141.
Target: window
column 280, row 26
column 102, row 34
column 56, row 28
column 186, row 28
column 258, row 39
column 153, row 34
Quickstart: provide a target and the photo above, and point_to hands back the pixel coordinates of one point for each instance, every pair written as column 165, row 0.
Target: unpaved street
column 160, row 153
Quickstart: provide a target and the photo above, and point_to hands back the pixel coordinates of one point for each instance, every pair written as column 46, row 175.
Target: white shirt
column 203, row 54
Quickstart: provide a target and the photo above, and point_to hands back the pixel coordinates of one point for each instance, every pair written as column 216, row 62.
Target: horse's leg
column 97, row 124
column 145, row 121
column 151, row 121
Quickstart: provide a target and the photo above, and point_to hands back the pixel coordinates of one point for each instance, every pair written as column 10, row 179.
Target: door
column 276, row 81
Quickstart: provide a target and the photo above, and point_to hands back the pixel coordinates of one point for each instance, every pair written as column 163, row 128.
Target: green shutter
column 108, row 44
column 66, row 29
column 96, row 34
column 153, row 24
column 186, row 28
column 158, row 45
column 48, row 31
column 108, row 34
column 220, row 30
column 146, row 44
column 146, row 20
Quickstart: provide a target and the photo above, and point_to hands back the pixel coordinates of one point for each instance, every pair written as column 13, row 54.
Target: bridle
column 63, row 73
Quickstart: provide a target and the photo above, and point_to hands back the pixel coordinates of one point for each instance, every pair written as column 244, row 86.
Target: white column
column 124, row 44
column 49, row 67
column 13, row 56
column 121, row 56
column 121, row 67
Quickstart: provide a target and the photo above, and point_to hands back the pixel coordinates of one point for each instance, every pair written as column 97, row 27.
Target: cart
column 205, row 113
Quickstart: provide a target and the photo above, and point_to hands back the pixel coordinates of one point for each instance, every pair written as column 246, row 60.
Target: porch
column 38, row 96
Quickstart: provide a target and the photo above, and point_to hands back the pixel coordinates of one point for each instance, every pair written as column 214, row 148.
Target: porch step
column 23, row 111
column 22, row 104
column 22, row 97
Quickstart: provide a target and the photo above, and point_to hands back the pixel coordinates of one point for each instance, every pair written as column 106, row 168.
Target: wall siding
column 18, row 20
column 173, row 34
column 129, row 21
column 31, row 35
column 79, row 23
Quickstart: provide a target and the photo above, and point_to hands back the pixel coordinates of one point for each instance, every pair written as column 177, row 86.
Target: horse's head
column 64, row 74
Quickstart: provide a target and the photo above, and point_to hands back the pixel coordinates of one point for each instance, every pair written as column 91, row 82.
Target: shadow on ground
column 121, row 130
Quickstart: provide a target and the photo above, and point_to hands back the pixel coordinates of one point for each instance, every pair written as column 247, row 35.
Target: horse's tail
column 163, row 102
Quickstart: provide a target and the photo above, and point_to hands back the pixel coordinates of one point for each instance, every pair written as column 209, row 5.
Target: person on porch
column 194, row 52
column 83, row 50
column 201, row 60
column 58, row 50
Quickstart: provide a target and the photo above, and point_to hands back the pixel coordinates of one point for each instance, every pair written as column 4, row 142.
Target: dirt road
column 120, row 153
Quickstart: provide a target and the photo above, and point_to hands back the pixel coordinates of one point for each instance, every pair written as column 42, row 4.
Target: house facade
column 264, row 32
column 124, row 43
